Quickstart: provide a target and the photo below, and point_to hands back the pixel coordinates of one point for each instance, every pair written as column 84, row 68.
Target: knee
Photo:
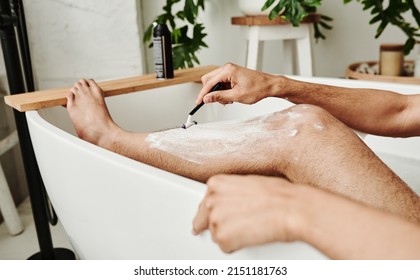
column 308, row 118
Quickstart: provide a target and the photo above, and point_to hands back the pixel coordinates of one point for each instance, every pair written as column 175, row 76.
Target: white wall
column 351, row 40
column 97, row 39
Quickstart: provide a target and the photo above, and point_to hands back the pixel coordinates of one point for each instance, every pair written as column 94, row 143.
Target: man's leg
column 329, row 155
column 303, row 143
column 197, row 152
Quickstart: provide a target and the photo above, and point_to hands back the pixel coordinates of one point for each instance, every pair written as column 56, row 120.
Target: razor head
column 188, row 124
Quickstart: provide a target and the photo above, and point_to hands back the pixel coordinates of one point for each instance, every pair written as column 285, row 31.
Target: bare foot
column 89, row 114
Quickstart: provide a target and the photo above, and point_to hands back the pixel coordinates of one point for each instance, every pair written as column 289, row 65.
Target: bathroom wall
column 97, row 39
column 351, row 40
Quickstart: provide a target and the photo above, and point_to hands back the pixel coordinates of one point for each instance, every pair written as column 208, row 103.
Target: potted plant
column 292, row 11
column 393, row 14
column 185, row 47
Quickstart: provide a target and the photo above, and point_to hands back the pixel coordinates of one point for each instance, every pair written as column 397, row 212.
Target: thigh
column 317, row 149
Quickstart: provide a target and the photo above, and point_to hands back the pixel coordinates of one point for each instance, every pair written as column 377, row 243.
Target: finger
column 205, row 78
column 234, row 236
column 209, row 81
column 201, row 219
column 221, row 96
column 205, row 90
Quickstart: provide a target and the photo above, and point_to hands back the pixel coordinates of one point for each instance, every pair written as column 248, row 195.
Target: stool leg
column 253, row 60
column 8, row 208
column 304, row 55
column 289, row 57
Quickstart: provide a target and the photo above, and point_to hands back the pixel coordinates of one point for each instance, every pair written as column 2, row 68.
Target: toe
column 70, row 99
column 84, row 85
column 94, row 86
column 75, row 89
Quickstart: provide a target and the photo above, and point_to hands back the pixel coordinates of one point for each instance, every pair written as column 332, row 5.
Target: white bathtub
column 113, row 207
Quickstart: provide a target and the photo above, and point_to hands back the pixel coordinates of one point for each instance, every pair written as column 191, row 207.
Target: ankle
column 110, row 137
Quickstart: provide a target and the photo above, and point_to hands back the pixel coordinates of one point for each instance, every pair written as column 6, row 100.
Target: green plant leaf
column 190, row 11
column 409, row 45
column 393, row 14
column 200, row 4
column 414, row 11
column 267, row 4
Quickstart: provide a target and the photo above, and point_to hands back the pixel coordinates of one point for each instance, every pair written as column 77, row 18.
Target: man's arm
column 242, row 211
column 373, row 111
column 344, row 229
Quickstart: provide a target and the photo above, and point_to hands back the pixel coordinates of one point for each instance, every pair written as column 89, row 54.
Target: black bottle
column 162, row 52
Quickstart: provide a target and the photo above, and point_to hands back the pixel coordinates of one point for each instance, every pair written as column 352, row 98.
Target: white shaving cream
column 229, row 138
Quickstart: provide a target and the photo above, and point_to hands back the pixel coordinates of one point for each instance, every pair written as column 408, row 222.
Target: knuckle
column 229, row 66
column 214, row 181
column 204, row 79
column 223, row 241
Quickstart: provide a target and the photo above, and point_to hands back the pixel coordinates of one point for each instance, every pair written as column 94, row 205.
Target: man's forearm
column 344, row 229
column 369, row 110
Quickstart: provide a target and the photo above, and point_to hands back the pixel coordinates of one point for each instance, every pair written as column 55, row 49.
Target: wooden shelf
column 57, row 97
column 264, row 20
column 352, row 74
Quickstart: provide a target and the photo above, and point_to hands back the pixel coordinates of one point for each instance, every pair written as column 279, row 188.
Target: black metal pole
column 17, row 9
column 25, row 54
column 16, row 82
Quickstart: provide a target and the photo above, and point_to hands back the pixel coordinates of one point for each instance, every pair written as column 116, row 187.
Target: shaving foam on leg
column 240, row 139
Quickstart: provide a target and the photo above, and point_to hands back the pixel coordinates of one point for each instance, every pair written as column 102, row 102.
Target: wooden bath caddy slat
column 55, row 97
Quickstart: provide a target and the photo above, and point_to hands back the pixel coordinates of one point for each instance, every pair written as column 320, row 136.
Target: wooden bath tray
column 55, row 97
column 351, row 73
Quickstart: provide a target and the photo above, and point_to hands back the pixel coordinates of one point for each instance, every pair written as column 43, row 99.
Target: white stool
column 7, row 206
column 259, row 29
